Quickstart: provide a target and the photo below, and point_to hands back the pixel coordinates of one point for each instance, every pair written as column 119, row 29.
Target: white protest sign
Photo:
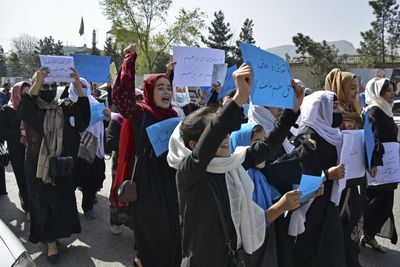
column 194, row 66
column 390, row 171
column 59, row 68
column 219, row 73
column 352, row 156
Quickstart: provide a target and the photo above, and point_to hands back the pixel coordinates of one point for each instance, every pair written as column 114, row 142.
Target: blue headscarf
column 263, row 192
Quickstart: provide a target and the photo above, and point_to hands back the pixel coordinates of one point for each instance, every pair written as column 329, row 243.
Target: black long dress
column 322, row 242
column 379, row 206
column 156, row 210
column 53, row 208
column 10, row 132
column 203, row 239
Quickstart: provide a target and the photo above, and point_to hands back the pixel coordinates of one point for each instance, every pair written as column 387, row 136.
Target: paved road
column 96, row 246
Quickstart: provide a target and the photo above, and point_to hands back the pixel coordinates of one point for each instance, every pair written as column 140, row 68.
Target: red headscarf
column 16, row 95
column 148, row 103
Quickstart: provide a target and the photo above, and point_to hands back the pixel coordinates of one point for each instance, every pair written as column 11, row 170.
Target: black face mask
column 48, row 95
column 337, row 119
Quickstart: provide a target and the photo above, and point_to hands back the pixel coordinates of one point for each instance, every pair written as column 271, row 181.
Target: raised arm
column 227, row 120
column 123, row 92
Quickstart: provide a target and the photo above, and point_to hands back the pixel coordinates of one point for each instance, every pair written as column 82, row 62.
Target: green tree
column 320, row 57
column 111, row 50
column 245, row 36
column 220, row 36
column 379, row 41
column 138, row 21
column 23, row 59
column 3, row 67
column 48, row 46
column 13, row 64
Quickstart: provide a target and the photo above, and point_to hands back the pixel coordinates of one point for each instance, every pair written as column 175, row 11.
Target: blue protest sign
column 369, row 138
column 229, row 83
column 308, row 186
column 93, row 68
column 96, row 113
column 272, row 84
column 160, row 133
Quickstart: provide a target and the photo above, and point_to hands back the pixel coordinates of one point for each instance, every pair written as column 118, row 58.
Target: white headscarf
column 317, row 113
column 264, row 117
column 96, row 129
column 248, row 218
column 373, row 97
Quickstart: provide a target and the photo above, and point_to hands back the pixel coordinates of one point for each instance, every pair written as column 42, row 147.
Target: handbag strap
column 228, row 240
column 139, row 143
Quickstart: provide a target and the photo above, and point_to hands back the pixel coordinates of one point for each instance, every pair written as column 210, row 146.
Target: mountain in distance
column 344, row 47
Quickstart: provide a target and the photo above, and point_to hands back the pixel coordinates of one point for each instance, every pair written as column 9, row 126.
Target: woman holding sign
column 378, row 212
column 50, row 139
column 346, row 86
column 156, row 211
column 221, row 222
column 321, row 243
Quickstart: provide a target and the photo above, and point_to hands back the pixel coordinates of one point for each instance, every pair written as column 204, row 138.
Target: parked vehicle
column 12, row 252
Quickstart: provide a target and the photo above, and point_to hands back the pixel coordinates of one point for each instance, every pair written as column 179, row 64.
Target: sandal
column 372, row 243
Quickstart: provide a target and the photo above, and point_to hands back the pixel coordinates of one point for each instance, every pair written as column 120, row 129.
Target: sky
column 276, row 21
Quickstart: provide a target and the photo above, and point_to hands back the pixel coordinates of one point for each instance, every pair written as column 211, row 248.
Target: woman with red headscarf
column 12, row 131
column 156, row 211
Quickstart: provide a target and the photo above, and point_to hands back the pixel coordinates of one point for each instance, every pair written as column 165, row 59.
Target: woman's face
column 162, row 93
column 276, row 112
column 24, row 89
column 389, row 94
column 350, row 89
column 257, row 136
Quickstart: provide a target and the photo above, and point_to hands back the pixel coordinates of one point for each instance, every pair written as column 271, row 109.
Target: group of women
column 225, row 193
column 55, row 146
column 212, row 199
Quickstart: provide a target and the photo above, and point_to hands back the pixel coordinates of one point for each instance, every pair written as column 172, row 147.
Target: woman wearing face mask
column 89, row 175
column 53, row 205
column 213, row 185
column 12, row 131
column 155, row 212
column 346, row 86
column 379, row 209
column 320, row 242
